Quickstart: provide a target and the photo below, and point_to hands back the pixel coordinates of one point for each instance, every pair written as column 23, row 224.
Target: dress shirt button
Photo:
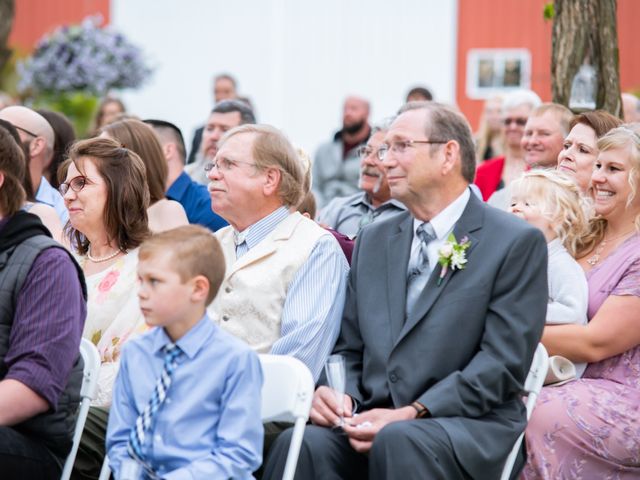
column 225, row 318
column 393, row 377
column 228, row 289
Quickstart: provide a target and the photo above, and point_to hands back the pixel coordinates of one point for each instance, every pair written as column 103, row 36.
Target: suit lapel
column 398, row 252
column 470, row 221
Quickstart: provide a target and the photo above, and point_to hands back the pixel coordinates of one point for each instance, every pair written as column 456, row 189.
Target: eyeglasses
column 400, row 146
column 224, row 164
column 25, row 131
column 76, row 184
column 366, row 151
column 519, row 121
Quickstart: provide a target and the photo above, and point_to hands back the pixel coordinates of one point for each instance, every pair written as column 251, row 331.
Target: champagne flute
column 336, row 377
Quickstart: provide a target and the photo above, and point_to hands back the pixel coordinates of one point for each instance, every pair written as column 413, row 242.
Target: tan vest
column 250, row 301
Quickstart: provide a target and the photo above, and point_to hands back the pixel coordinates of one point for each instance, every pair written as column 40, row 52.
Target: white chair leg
column 105, row 471
column 294, row 449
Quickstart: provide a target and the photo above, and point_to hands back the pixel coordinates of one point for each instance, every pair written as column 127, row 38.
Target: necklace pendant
column 593, row 260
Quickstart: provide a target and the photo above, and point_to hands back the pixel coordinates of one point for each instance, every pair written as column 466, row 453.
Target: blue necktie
column 241, row 244
column 419, row 275
column 145, row 419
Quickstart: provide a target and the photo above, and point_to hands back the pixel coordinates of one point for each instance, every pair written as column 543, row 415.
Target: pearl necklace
column 595, row 258
column 103, row 259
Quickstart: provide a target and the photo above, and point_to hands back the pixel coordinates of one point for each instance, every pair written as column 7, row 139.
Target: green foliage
column 549, row 11
column 79, row 107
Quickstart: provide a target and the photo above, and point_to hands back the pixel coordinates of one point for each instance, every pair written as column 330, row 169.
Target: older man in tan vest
column 285, row 282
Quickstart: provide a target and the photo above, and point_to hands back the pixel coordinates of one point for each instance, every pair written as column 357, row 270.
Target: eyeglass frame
column 361, row 154
column 519, row 121
column 214, row 164
column 64, row 187
column 385, row 147
column 25, row 131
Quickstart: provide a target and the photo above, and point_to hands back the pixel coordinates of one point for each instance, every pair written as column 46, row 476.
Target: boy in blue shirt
column 186, row 401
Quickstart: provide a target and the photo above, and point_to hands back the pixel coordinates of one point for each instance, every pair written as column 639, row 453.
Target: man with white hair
column 348, row 215
column 285, row 279
column 37, row 138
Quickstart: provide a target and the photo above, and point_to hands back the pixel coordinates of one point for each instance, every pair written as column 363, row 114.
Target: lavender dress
column 590, row 428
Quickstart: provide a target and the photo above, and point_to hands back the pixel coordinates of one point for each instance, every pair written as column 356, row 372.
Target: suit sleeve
column 349, row 343
column 513, row 327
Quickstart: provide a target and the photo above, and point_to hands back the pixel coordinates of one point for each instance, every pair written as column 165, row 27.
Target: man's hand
column 325, row 410
column 363, row 428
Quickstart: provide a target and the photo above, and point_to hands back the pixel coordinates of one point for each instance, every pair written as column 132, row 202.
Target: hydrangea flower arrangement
column 84, row 58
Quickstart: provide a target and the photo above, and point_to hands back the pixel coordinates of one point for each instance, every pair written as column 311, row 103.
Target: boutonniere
column 452, row 255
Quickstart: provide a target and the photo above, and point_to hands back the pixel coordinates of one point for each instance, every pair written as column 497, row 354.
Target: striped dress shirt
column 313, row 308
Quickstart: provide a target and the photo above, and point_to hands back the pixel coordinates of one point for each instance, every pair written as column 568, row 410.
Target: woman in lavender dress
column 590, row 428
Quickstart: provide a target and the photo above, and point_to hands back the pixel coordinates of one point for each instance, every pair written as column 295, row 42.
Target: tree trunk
column 586, row 29
column 7, row 11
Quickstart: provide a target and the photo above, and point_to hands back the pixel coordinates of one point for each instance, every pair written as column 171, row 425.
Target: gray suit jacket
column 466, row 350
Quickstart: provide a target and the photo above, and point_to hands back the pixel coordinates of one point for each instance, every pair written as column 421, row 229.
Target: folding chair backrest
column 532, row 386
column 91, row 359
column 287, row 392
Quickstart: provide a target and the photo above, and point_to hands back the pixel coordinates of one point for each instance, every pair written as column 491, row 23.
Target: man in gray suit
column 435, row 358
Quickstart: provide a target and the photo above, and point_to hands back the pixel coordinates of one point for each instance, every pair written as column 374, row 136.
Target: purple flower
column 83, row 57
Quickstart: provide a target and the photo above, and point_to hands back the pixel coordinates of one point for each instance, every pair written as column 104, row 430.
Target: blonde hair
column 560, row 201
column 624, row 137
column 194, row 251
column 271, row 149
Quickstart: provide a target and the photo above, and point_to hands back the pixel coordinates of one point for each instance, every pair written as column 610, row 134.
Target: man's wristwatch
column 422, row 411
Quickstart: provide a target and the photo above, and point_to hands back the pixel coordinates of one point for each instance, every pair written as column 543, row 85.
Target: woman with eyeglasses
column 164, row 214
column 105, row 191
column 498, row 172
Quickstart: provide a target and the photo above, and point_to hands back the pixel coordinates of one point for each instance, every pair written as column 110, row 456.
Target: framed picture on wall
column 492, row 71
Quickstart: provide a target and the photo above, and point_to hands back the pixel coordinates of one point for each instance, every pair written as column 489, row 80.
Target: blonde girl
column 553, row 203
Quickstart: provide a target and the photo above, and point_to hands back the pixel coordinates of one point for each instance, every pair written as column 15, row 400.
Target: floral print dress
column 113, row 317
column 590, row 428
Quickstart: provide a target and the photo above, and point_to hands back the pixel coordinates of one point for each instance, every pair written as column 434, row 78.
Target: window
column 495, row 71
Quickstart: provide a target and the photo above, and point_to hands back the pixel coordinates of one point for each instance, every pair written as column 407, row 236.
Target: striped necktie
column 145, row 419
column 419, row 275
column 241, row 243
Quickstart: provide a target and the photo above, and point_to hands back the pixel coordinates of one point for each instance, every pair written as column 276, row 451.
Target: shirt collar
column 363, row 199
column 178, row 188
column 263, row 227
column 191, row 342
column 444, row 221
column 46, row 193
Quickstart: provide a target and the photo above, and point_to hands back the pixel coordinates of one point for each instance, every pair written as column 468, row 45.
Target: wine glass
column 336, row 376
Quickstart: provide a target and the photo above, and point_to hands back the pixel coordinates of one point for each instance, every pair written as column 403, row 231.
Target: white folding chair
column 91, row 359
column 287, row 392
column 532, row 386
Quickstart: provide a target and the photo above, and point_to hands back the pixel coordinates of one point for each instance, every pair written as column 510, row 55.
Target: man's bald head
column 29, row 123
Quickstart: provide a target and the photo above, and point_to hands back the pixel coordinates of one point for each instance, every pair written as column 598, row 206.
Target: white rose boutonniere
column 453, row 255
